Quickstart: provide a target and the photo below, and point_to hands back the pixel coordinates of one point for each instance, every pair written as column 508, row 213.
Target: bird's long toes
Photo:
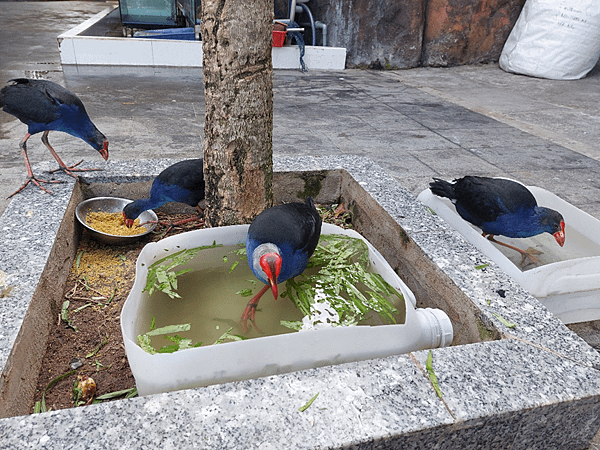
column 249, row 315
column 37, row 182
column 252, row 322
column 529, row 255
column 74, row 168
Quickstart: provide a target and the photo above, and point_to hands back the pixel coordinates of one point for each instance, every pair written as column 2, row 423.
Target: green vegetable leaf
column 128, row 393
column 240, row 251
column 169, row 348
column 169, row 329
column 64, row 315
column 481, row 266
column 228, row 335
column 145, row 343
column 179, row 343
column 505, row 322
column 78, row 260
column 87, row 305
column 432, row 376
column 244, row 292
column 98, row 348
column 233, row 266
column 292, row 325
column 41, row 405
column 308, row 403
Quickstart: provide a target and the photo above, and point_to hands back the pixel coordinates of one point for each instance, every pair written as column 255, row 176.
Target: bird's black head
column 553, row 223
column 131, row 211
column 99, row 142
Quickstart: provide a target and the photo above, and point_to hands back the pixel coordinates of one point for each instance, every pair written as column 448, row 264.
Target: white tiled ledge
column 78, row 49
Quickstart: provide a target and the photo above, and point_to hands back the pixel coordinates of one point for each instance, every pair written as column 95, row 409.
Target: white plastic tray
column 424, row 328
column 573, row 268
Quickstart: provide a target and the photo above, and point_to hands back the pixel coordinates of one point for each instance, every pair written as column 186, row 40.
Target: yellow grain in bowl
column 113, row 223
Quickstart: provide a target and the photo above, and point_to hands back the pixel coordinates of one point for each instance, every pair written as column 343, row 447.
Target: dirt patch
column 87, row 339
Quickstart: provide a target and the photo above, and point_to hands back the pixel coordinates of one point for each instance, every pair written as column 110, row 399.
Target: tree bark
column 238, row 89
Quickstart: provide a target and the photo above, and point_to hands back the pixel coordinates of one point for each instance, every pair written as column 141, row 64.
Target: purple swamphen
column 45, row 106
column 279, row 244
column 501, row 207
column 181, row 182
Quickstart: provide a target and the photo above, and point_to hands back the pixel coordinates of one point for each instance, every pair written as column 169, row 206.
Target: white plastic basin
column 270, row 355
column 568, row 281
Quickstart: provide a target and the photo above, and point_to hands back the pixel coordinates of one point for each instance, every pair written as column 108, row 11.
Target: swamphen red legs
column 30, row 177
column 250, row 310
column 525, row 254
column 63, row 167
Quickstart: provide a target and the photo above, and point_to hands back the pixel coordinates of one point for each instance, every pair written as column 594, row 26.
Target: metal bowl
column 112, row 205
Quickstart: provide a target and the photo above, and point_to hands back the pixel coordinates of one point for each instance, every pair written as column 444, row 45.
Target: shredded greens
column 341, row 278
column 162, row 277
column 231, row 337
column 179, row 343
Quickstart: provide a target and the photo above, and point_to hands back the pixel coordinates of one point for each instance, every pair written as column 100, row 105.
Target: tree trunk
column 238, row 89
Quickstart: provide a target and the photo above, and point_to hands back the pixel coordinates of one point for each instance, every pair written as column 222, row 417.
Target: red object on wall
column 278, row 38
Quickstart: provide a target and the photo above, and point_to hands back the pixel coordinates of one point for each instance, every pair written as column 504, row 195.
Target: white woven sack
column 554, row 39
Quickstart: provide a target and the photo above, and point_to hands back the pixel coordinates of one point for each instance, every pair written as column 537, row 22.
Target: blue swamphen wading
column 181, row 182
column 501, row 207
column 45, row 106
column 279, row 244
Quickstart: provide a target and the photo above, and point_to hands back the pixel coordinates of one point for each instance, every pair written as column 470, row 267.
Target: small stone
column 75, row 364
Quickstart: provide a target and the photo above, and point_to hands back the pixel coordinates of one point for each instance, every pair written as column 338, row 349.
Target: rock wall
column 379, row 33
column 465, row 32
column 410, row 33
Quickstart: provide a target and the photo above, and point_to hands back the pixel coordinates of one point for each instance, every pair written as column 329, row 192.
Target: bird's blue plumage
column 498, row 206
column 294, row 228
column 181, row 182
column 46, row 106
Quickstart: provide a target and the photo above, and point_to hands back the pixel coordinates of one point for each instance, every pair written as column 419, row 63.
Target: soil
column 87, row 341
column 90, row 337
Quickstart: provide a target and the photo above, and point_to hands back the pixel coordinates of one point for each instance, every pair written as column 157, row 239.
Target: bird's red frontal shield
column 271, row 265
column 560, row 235
column 104, row 151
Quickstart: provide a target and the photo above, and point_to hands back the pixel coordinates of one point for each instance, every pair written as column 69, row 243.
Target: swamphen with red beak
column 279, row 244
column 501, row 206
column 181, row 182
column 45, row 106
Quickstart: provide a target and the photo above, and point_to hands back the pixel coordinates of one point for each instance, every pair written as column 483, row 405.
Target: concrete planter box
column 535, row 385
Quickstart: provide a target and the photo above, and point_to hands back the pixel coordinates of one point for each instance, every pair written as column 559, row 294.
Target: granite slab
column 509, row 393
